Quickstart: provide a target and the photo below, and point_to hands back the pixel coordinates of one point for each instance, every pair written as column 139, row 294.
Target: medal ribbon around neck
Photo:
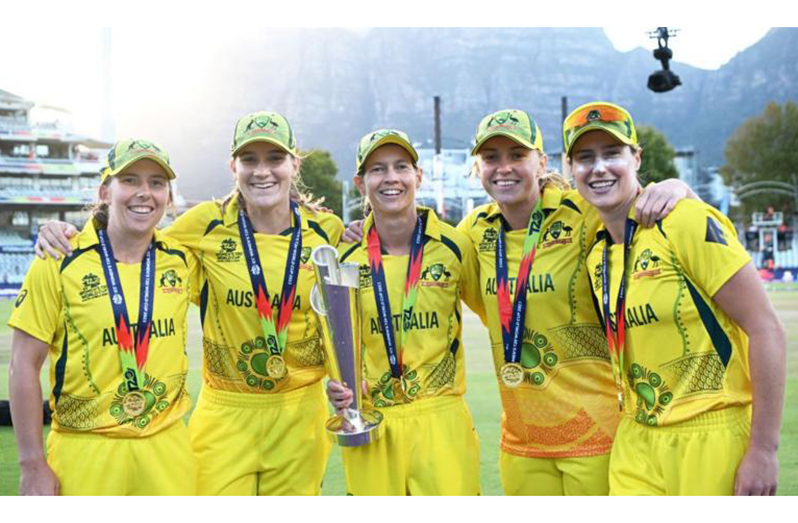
column 410, row 293
column 275, row 336
column 512, row 317
column 132, row 352
column 616, row 337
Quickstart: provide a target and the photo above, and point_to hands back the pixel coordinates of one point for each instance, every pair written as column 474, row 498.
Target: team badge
column 646, row 265
column 558, row 233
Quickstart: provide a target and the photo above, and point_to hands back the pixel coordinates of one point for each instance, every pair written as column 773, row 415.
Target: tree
column 318, row 172
column 764, row 148
column 357, row 213
column 658, row 156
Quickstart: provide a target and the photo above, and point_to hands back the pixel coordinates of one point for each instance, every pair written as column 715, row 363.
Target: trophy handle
column 317, row 301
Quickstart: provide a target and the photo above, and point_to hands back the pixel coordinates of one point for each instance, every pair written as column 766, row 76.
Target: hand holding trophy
column 335, row 299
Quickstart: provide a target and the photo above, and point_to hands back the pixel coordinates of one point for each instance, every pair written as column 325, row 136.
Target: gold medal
column 134, row 404
column 512, row 374
column 275, row 366
column 398, row 389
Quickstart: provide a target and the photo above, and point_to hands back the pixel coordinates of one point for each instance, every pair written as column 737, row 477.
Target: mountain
column 335, row 85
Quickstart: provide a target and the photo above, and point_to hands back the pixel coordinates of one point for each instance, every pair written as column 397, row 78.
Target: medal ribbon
column 275, row 335
column 616, row 337
column 512, row 317
column 410, row 293
column 132, row 352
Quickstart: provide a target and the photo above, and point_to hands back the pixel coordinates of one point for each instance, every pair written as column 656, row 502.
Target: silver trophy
column 335, row 299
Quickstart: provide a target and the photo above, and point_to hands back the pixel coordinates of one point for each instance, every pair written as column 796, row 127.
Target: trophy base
column 340, row 427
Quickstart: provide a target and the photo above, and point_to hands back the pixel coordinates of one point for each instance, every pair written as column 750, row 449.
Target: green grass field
column 482, row 397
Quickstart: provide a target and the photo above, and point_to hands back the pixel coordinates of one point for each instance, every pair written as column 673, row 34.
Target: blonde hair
column 298, row 192
column 99, row 209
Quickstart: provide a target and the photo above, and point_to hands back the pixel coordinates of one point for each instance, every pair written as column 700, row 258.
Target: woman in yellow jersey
column 259, row 423
column 414, row 270
column 558, row 412
column 699, row 371
column 112, row 318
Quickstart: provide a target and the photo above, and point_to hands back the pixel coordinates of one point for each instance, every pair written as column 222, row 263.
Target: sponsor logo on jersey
column 21, row 297
column 646, row 265
column 435, row 275
column 489, row 240
column 171, row 283
column 227, row 251
column 536, row 283
column 558, row 233
column 92, row 287
column 421, row 320
column 160, row 328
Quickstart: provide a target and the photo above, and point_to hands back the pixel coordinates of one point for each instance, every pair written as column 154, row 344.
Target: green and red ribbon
column 133, row 352
column 513, row 316
column 275, row 333
column 410, row 291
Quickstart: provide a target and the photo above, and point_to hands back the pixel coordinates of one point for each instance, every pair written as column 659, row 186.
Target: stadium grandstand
column 46, row 172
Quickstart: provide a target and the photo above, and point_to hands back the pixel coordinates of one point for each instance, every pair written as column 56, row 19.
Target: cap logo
column 261, row 123
column 593, row 115
column 142, row 145
column 378, row 134
column 501, row 119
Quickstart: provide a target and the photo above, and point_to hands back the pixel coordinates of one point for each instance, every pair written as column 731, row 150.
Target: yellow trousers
column 96, row 465
column 428, row 447
column 696, row 457
column 582, row 476
column 260, row 444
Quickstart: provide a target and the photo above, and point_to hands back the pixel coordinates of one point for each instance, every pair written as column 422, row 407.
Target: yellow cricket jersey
column 565, row 406
column 234, row 351
column 65, row 304
column 432, row 356
column 684, row 356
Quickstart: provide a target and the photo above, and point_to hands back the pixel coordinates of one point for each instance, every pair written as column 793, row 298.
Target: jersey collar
column 602, row 233
column 552, row 196
column 432, row 230
column 87, row 238
column 231, row 215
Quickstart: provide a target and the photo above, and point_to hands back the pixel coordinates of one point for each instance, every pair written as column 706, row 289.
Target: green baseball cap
column 264, row 126
column 378, row 138
column 602, row 116
column 512, row 123
column 126, row 152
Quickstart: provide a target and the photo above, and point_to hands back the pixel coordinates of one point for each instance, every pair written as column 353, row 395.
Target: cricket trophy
column 335, row 299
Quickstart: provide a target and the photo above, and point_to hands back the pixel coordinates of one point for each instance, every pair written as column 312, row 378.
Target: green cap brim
column 389, row 139
column 599, row 126
column 513, row 137
column 266, row 139
column 169, row 172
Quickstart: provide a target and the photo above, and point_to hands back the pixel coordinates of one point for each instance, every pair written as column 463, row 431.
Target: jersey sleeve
column 38, row 305
column 705, row 243
column 190, row 226
column 471, row 292
column 194, row 277
column 333, row 226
